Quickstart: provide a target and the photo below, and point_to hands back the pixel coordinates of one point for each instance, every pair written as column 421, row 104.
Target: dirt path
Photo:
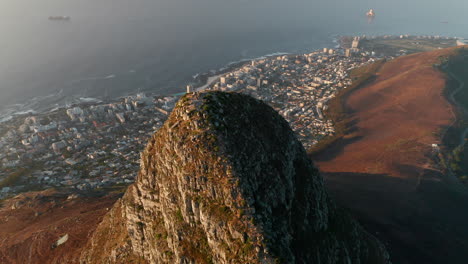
column 450, row 176
column 459, row 105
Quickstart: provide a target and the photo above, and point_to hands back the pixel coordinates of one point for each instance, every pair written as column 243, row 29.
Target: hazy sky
column 38, row 56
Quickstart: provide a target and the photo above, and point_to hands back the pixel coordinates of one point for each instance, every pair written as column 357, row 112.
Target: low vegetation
column 407, row 46
column 14, row 177
column 457, row 155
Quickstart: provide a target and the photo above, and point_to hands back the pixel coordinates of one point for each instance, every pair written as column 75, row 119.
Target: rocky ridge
column 226, row 181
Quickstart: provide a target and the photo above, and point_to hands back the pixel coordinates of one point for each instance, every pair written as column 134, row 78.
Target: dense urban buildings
column 96, row 145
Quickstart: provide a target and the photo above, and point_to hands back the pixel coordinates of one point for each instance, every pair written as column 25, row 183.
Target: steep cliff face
column 226, row 181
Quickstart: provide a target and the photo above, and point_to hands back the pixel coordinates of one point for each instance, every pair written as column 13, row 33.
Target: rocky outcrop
column 226, row 181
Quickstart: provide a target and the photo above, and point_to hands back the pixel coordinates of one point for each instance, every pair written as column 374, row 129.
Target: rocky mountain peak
column 226, row 181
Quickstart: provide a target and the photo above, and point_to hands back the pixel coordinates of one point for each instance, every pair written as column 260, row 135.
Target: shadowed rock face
column 226, row 181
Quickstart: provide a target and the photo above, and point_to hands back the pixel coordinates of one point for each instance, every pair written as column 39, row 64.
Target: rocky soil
column 30, row 225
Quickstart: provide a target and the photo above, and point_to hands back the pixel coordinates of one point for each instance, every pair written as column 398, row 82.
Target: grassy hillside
column 337, row 109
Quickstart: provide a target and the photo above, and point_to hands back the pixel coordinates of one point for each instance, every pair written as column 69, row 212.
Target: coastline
column 204, row 80
column 201, row 82
column 209, row 82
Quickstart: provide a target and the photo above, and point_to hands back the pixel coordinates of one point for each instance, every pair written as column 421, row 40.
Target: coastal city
column 298, row 87
column 97, row 145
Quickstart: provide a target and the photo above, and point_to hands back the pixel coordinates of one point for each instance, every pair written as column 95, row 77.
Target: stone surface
column 226, row 181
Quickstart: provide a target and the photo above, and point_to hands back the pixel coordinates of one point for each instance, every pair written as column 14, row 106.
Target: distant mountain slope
column 396, row 119
column 384, row 169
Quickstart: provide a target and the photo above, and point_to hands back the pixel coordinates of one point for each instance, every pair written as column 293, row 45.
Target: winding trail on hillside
column 451, row 176
column 458, row 104
column 384, row 172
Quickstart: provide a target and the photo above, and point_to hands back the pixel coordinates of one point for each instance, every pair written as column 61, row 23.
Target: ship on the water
column 59, row 18
column 371, row 13
column 370, row 16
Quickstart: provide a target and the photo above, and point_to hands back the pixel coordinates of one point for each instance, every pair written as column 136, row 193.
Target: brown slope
column 383, row 170
column 31, row 223
column 396, row 117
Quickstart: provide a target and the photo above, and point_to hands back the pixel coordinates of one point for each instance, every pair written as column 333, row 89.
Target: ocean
column 113, row 48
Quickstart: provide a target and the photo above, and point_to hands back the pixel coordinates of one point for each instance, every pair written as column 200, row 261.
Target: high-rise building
column 348, row 53
column 355, row 43
column 189, row 88
column 222, row 80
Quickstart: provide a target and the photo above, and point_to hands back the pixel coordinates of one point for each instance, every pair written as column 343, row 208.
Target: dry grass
column 395, row 116
column 43, row 217
column 337, row 108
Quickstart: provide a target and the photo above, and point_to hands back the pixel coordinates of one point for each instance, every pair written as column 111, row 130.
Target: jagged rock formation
column 226, row 181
